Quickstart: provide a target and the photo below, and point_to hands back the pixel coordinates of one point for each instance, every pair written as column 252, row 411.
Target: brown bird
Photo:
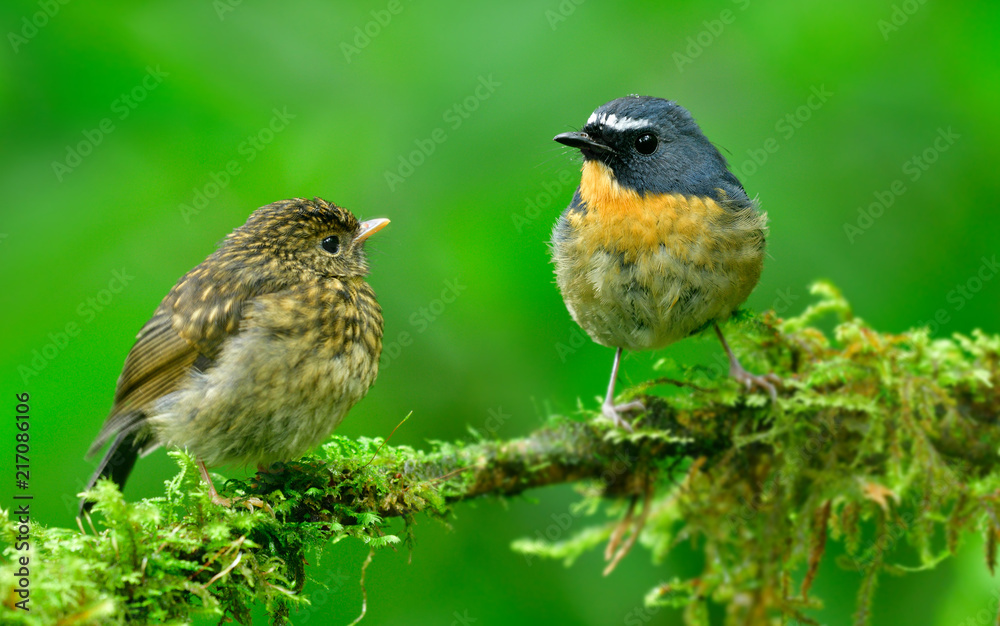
column 256, row 354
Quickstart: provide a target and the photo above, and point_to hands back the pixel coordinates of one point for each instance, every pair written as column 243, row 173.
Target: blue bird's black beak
column 582, row 141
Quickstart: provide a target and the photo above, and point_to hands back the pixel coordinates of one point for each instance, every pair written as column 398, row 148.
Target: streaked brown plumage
column 256, row 354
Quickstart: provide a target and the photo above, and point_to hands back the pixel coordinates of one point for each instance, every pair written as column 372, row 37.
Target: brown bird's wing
column 157, row 364
column 185, row 334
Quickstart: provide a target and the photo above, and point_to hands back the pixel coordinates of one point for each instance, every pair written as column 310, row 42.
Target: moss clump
column 878, row 441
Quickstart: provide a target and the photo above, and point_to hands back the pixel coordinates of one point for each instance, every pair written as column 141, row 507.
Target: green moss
column 869, row 445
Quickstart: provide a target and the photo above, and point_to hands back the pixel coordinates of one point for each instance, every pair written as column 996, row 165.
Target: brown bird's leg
column 743, row 376
column 227, row 502
column 216, row 498
column 609, row 408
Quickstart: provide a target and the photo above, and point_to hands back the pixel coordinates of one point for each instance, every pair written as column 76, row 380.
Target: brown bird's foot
column 613, row 411
column 764, row 382
column 254, row 502
column 216, row 498
column 250, row 502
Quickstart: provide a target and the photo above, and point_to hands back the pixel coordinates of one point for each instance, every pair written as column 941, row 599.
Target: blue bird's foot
column 764, row 382
column 614, row 412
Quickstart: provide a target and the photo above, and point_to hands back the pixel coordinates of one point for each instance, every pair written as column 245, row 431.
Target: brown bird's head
column 309, row 236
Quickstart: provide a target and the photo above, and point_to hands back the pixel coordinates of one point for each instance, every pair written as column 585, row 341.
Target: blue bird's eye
column 646, row 143
column 331, row 244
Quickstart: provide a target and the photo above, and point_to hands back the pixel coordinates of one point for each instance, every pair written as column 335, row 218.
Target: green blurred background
column 188, row 88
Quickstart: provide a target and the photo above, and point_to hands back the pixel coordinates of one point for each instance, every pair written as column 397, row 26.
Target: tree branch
column 563, row 452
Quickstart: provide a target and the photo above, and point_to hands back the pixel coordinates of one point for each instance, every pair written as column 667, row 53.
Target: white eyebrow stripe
column 617, row 123
column 626, row 123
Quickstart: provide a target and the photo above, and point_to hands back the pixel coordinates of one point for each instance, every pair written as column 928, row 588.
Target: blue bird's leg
column 765, row 383
column 609, row 408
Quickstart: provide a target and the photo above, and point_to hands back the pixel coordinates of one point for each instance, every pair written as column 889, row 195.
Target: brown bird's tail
column 118, row 461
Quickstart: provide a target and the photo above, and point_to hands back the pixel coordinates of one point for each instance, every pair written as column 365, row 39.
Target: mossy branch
column 562, row 452
column 876, row 441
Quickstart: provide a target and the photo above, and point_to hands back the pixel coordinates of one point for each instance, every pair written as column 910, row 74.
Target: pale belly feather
column 665, row 270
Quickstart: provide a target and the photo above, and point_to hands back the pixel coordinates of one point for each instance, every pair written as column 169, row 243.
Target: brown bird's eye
column 646, row 143
column 331, row 244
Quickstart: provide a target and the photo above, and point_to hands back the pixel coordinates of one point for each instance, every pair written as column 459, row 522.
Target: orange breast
column 690, row 228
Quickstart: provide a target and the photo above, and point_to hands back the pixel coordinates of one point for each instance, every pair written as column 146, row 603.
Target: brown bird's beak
column 582, row 141
column 370, row 227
